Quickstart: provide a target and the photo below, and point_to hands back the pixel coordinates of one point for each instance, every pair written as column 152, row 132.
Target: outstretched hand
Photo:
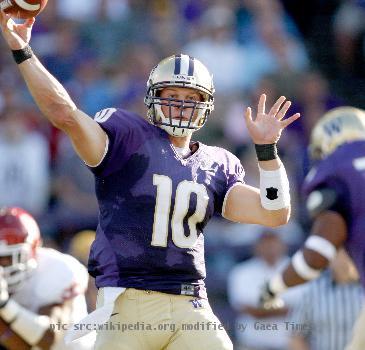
column 16, row 35
column 267, row 127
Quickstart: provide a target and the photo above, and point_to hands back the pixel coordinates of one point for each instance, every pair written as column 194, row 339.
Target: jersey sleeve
column 234, row 174
column 331, row 196
column 325, row 191
column 125, row 134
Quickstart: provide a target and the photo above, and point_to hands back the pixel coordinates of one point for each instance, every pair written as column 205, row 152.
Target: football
column 23, row 9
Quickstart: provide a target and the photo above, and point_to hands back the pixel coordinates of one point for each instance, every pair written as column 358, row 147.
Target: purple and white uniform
column 344, row 172
column 154, row 206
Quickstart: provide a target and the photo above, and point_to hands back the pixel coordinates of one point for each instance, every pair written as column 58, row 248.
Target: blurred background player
column 41, row 289
column 270, row 256
column 329, row 307
column 335, row 190
column 24, row 174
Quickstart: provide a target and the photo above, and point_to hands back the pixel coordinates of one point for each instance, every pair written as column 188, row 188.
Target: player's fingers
column 275, row 108
column 261, row 106
column 248, row 116
column 289, row 120
column 280, row 115
column 5, row 18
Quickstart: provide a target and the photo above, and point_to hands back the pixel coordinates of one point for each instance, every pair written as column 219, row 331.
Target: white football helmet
column 179, row 71
column 19, row 240
column 336, row 127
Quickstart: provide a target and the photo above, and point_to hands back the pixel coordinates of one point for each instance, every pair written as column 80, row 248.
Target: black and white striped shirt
column 328, row 313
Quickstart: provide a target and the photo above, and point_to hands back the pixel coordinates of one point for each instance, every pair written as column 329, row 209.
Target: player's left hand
column 267, row 127
column 269, row 300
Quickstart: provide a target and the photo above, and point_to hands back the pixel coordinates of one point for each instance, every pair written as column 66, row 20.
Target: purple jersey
column 154, row 206
column 344, row 170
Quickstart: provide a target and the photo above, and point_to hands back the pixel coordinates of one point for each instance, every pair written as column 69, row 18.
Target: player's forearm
column 274, row 191
column 305, row 265
column 275, row 218
column 291, row 277
column 27, row 326
column 50, row 96
column 270, row 165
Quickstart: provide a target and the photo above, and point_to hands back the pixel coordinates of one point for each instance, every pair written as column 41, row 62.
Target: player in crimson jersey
column 39, row 287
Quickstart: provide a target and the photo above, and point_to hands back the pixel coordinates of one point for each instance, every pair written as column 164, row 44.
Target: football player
column 41, row 289
column 157, row 190
column 335, row 190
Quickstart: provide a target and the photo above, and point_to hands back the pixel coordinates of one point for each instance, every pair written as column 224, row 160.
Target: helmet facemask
column 192, row 114
column 20, row 264
column 19, row 240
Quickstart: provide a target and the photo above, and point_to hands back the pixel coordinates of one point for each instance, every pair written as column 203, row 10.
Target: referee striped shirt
column 328, row 313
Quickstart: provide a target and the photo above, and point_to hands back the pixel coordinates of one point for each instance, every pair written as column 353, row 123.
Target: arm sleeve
column 234, row 174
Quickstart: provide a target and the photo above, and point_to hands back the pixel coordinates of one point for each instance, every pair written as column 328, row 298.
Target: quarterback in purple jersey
column 335, row 190
column 157, row 189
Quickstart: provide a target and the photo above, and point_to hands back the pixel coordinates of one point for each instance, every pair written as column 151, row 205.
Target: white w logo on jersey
column 104, row 115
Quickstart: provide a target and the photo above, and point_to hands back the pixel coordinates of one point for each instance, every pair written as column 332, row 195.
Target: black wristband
column 22, row 55
column 266, row 152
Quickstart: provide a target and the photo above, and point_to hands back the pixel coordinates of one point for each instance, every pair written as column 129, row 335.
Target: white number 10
column 182, row 199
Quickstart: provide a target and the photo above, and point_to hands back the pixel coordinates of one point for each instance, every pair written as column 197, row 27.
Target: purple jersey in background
column 344, row 171
column 154, row 206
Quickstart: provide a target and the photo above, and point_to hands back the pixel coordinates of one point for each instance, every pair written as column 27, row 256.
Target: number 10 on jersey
column 182, row 199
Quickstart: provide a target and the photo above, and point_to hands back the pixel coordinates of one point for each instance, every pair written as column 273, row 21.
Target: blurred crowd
column 103, row 51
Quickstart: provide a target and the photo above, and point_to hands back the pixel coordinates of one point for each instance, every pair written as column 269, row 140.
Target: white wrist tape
column 274, row 189
column 277, row 284
column 28, row 325
column 302, row 268
column 322, row 246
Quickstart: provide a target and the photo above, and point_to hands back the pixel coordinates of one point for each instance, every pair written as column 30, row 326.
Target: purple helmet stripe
column 191, row 66
column 177, row 64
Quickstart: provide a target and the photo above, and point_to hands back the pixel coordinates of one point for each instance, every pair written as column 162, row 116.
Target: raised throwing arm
column 87, row 136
